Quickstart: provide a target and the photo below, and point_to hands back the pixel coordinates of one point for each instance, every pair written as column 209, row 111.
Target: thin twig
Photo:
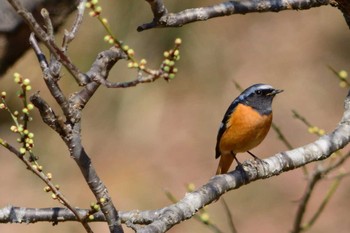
column 51, row 45
column 327, row 198
column 70, row 35
column 50, row 81
column 48, row 182
column 229, row 216
column 318, row 174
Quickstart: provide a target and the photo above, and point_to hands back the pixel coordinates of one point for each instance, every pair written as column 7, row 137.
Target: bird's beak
column 275, row 92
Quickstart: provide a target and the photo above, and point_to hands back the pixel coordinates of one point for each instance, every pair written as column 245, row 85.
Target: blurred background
column 161, row 136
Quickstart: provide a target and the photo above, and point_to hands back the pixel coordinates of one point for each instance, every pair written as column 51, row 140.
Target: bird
column 245, row 124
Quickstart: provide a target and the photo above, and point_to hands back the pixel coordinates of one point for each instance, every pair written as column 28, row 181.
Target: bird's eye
column 258, row 92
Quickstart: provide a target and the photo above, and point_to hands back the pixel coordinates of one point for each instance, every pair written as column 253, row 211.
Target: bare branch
column 45, row 38
column 98, row 71
column 164, row 19
column 50, row 80
column 163, row 219
column 70, row 35
column 48, row 115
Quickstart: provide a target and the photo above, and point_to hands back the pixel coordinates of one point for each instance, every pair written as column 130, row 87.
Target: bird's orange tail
column 225, row 163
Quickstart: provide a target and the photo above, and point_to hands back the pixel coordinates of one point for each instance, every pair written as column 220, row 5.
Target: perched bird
column 245, row 125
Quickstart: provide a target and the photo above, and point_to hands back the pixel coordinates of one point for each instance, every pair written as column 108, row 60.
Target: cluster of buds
column 23, row 82
column 109, row 39
column 20, row 120
column 3, row 97
column 171, row 57
column 343, row 75
column 27, row 138
column 94, row 7
column 95, row 207
column 316, row 130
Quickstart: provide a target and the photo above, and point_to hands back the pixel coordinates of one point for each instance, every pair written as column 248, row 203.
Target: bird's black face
column 260, row 97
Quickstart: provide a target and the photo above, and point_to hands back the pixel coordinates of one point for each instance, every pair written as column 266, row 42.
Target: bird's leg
column 240, row 168
column 254, row 156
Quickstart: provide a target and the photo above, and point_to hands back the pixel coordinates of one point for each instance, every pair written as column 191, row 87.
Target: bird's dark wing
column 223, row 126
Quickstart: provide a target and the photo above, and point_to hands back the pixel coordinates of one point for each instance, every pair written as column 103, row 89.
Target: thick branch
column 163, row 219
column 164, row 19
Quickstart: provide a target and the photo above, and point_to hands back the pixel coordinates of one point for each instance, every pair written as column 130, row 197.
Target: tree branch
column 49, row 43
column 161, row 220
column 164, row 19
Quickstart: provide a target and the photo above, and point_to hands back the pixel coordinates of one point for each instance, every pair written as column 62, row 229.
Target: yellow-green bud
column 20, row 128
column 17, row 77
column 176, row 52
column 28, row 88
column 107, row 37
column 171, row 76
column 178, row 41
column 49, row 175
column 343, row 74
column 88, row 5
column 92, row 13
column 47, row 189
column 3, row 94
column 321, row 132
column 102, row 200
column 166, row 61
column 91, row 217
column 2, row 106
column 191, row 187
column 342, row 84
column 313, row 129
column 25, row 110
column 26, row 81
column 166, row 68
column 98, row 9
column 54, row 196
column 96, row 207
column 166, row 54
column 111, row 41
column 131, row 52
column 94, row 2
column 143, row 62
column 30, row 106
column 22, row 151
column 204, row 218
column 30, row 135
column 104, row 20
column 135, row 65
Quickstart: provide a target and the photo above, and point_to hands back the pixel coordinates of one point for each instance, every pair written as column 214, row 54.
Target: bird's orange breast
column 245, row 129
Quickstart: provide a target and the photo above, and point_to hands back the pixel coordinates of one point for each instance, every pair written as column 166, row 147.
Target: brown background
column 161, row 136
